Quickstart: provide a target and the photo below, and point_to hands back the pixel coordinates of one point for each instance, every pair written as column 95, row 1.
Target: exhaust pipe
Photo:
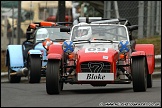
column 21, row 72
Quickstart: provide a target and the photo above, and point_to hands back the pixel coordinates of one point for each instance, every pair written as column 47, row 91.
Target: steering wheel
column 28, row 43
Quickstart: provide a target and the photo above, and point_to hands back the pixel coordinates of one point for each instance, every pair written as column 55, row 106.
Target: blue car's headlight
column 124, row 46
column 68, row 46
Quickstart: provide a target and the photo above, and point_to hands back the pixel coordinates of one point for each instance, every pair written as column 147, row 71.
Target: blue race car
column 29, row 59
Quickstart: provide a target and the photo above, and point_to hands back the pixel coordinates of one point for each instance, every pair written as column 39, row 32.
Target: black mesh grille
column 95, row 67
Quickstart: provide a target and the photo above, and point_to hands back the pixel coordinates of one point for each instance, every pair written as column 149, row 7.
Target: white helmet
column 84, row 32
column 42, row 34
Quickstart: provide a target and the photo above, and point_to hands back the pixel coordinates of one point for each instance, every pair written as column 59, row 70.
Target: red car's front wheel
column 139, row 74
column 53, row 84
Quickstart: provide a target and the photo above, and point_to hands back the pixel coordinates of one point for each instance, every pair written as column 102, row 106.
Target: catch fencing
column 145, row 14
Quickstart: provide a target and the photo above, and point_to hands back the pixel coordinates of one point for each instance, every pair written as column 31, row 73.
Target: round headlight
column 124, row 46
column 68, row 46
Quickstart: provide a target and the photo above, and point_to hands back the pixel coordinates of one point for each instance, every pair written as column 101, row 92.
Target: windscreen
column 52, row 33
column 107, row 32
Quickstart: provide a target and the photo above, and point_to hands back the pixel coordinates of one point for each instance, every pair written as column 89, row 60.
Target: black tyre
column 139, row 74
column 12, row 78
column 149, row 80
column 53, row 84
column 34, row 67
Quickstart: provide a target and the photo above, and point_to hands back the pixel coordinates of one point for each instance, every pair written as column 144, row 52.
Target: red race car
column 100, row 52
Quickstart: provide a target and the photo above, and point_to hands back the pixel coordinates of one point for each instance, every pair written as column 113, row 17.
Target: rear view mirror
column 64, row 29
column 28, row 33
column 133, row 27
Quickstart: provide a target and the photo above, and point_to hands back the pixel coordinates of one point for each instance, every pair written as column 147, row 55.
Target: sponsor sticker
column 95, row 76
column 105, row 57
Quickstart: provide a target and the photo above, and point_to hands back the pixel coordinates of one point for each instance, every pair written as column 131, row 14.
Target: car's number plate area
column 95, row 76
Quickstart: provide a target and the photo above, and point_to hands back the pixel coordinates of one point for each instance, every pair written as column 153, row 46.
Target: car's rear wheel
column 139, row 74
column 34, row 67
column 12, row 78
column 53, row 84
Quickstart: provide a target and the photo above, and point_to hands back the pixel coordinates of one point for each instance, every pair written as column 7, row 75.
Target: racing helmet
column 42, row 34
column 84, row 32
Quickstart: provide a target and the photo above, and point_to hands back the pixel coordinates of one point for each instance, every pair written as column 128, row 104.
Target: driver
column 42, row 34
column 84, row 33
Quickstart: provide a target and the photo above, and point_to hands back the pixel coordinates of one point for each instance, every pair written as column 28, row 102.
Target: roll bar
column 100, row 20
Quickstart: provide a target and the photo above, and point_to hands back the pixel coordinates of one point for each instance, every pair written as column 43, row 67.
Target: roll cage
column 119, row 21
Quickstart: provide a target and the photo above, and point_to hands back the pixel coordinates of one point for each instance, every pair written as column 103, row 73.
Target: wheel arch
column 149, row 50
column 15, row 59
column 149, row 58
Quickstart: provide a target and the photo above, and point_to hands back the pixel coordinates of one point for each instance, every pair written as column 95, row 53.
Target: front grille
column 95, row 67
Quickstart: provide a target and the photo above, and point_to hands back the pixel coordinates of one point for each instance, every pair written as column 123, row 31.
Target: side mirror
column 133, row 27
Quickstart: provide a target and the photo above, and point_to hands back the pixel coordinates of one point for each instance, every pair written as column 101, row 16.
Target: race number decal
column 95, row 67
column 87, row 50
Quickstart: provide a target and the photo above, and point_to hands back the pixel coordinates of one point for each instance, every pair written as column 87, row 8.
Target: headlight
column 68, row 46
column 124, row 46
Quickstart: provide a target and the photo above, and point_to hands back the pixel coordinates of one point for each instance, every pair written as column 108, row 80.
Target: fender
column 34, row 52
column 54, row 56
column 150, row 55
column 55, row 51
column 14, row 52
column 138, row 53
column 55, row 48
column 38, row 53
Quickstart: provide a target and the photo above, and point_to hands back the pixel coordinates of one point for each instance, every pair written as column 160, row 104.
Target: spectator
column 9, row 32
